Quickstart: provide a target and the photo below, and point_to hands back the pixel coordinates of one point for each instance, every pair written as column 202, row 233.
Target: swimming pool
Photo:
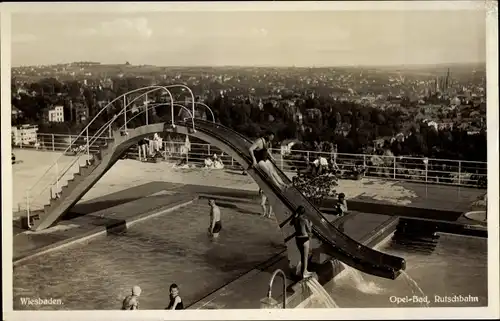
column 171, row 248
column 456, row 269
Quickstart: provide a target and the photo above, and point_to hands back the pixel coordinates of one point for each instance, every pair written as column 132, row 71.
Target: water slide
column 335, row 243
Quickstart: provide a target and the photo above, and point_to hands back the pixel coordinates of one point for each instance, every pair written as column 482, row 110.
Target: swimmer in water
column 175, row 299
column 131, row 302
column 215, row 220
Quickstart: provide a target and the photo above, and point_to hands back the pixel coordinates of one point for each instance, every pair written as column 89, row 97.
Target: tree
column 316, row 189
column 235, row 110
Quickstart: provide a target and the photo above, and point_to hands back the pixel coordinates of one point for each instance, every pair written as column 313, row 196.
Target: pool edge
column 96, row 232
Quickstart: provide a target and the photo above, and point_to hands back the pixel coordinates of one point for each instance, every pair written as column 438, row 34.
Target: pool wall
column 99, row 231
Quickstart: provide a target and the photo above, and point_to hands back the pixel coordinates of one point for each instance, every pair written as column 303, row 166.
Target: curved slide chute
column 335, row 242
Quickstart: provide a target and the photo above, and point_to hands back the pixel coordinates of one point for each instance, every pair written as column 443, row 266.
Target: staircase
column 98, row 158
column 103, row 158
column 79, row 183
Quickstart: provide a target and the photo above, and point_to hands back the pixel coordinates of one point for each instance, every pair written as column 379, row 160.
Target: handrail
column 58, row 177
column 103, row 128
column 192, row 100
column 270, row 286
column 399, row 158
column 76, row 159
column 157, row 105
column 79, row 152
column 209, row 109
column 124, row 110
column 88, row 125
column 144, row 94
column 384, row 156
column 97, row 135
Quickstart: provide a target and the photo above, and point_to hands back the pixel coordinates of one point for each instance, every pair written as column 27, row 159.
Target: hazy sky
column 315, row 38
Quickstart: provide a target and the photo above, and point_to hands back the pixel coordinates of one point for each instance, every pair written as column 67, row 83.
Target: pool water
column 456, row 268
column 171, row 248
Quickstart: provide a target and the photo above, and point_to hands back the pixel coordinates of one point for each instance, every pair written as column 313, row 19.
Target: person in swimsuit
column 341, row 210
column 263, row 200
column 341, row 205
column 302, row 237
column 215, row 221
column 131, row 302
column 142, row 147
column 260, row 157
column 175, row 299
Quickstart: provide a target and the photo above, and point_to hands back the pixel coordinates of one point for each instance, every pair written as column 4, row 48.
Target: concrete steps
column 74, row 188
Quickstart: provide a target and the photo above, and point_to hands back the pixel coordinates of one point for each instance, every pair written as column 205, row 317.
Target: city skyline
column 281, row 39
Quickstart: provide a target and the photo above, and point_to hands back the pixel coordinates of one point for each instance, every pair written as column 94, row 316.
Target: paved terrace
column 35, row 163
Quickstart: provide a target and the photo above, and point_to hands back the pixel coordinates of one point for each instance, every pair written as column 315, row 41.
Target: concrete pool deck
column 35, row 163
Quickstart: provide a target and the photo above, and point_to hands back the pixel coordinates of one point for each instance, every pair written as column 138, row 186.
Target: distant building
column 455, row 102
column 313, row 113
column 80, row 111
column 445, row 124
column 24, row 135
column 107, row 83
column 56, row 114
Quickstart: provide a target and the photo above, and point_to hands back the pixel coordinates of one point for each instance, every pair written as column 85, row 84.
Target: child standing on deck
column 263, row 200
column 303, row 230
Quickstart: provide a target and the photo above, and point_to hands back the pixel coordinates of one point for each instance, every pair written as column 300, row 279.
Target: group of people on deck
column 214, row 162
column 149, row 147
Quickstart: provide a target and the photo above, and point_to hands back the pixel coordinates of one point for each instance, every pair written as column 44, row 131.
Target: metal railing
column 89, row 140
column 404, row 168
